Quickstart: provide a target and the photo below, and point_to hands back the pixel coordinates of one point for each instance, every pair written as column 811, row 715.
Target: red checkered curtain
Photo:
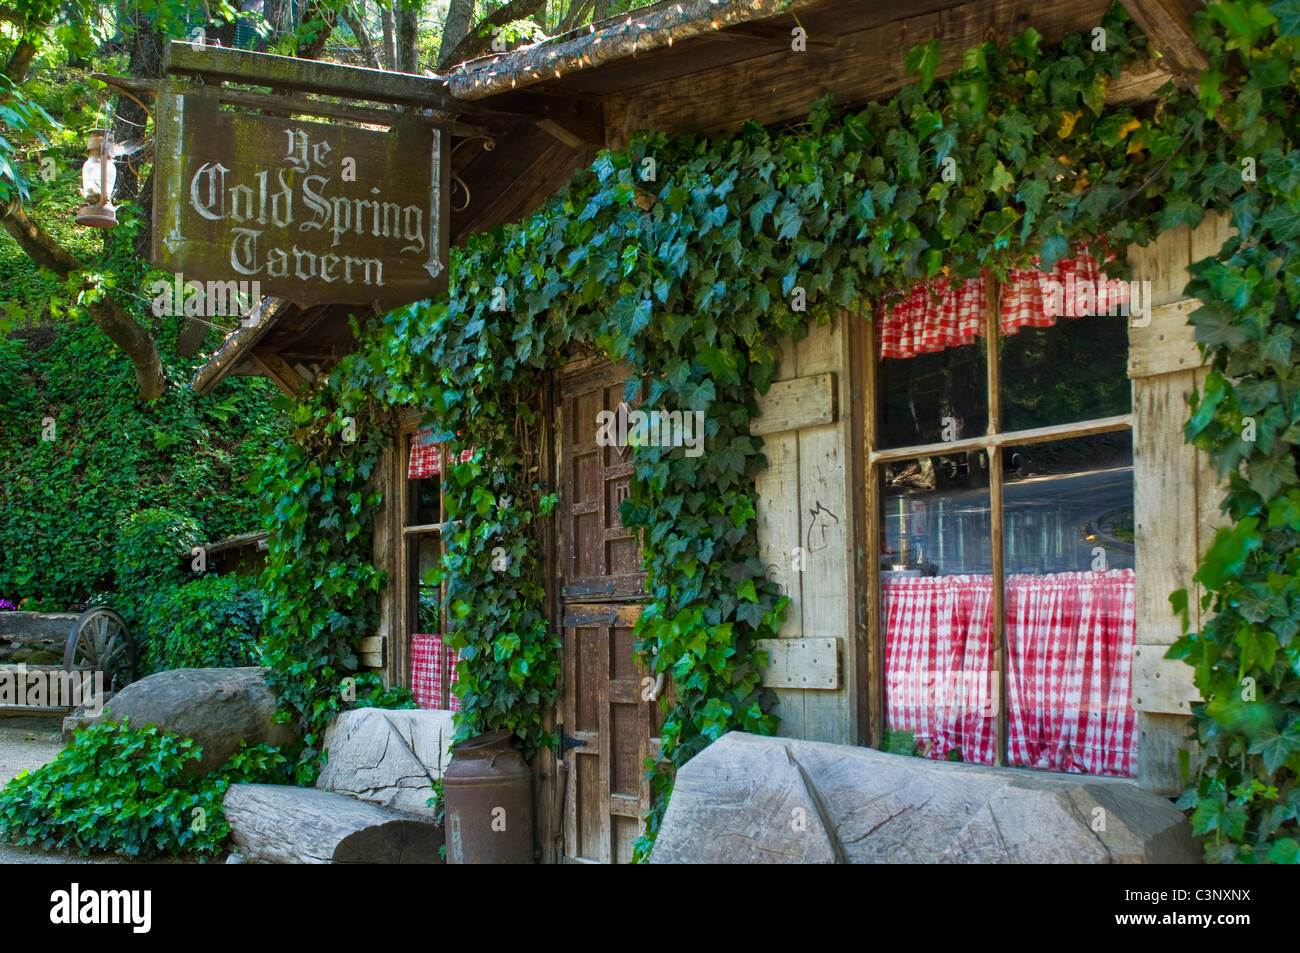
column 423, row 460
column 941, row 313
column 429, row 659
column 935, row 315
column 1070, row 642
column 938, row 660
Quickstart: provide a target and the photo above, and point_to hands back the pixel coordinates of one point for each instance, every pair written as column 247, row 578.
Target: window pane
column 1068, row 543
column 933, row 397
column 1074, row 370
column 936, row 588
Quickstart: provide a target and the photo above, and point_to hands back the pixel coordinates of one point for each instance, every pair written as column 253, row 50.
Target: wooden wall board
column 826, row 532
column 1162, row 685
column 809, row 664
column 1166, row 342
column 795, row 404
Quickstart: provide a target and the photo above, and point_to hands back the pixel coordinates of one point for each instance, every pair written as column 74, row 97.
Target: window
column 1000, row 481
column 431, row 666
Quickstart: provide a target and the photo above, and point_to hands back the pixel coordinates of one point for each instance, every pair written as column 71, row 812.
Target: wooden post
column 997, row 604
column 874, row 615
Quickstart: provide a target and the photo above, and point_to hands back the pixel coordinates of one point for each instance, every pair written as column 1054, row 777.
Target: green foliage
column 321, row 585
column 1246, row 656
column 151, row 546
column 122, row 789
column 212, row 622
column 66, row 504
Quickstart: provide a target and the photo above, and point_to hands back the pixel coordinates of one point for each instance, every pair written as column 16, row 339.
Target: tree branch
column 109, row 316
column 353, row 20
column 474, row 45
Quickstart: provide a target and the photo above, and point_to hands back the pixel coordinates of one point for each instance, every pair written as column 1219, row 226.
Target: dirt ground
column 28, row 742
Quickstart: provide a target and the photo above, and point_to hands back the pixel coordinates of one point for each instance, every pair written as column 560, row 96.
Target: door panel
column 607, row 716
column 607, row 709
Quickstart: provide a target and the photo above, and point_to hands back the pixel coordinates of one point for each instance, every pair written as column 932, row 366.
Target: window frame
column 408, row 537
column 993, row 443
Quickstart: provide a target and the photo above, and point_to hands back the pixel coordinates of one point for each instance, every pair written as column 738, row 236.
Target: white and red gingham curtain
column 941, row 313
column 1070, row 644
column 429, row 659
column 423, row 459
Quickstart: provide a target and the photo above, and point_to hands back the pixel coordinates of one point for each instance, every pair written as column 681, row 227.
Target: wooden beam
column 275, row 367
column 215, row 63
column 294, row 105
column 1168, row 25
column 801, row 663
column 988, row 442
column 864, row 65
column 997, row 611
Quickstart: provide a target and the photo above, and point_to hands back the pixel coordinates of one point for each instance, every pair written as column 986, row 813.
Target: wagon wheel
column 99, row 641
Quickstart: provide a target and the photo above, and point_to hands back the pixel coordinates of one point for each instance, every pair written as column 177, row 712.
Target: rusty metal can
column 487, row 796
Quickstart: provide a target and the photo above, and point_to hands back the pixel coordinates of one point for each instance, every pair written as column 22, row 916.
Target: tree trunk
column 280, row 824
column 358, row 27
column 408, row 23
column 472, row 44
column 390, row 42
column 455, row 29
column 324, row 18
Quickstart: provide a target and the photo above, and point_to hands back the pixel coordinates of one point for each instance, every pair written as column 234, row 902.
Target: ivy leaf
column 1025, row 45
column 1285, row 850
column 1226, row 558
column 924, row 61
column 1245, row 21
column 1274, row 746
column 1209, row 88
column 1288, row 17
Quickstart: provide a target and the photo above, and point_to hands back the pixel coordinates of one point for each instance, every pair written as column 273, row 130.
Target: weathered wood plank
column 1166, row 343
column 1165, row 511
column 1163, row 263
column 825, row 533
column 809, row 664
column 864, row 65
column 1168, row 26
column 794, row 404
column 1160, row 685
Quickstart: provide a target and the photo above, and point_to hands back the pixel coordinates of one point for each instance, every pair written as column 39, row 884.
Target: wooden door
column 608, row 714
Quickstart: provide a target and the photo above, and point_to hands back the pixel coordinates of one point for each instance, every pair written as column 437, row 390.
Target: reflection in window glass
column 1070, row 606
column 1088, row 377
column 936, row 589
column 933, row 397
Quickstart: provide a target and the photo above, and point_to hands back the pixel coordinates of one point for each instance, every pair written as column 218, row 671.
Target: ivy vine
column 690, row 275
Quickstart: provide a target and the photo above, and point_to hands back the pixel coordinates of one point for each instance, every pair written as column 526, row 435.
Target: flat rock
column 217, row 707
column 746, row 799
column 387, row 757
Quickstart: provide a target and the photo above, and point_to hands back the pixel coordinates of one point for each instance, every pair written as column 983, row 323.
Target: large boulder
column 217, row 707
column 746, row 799
column 387, row 757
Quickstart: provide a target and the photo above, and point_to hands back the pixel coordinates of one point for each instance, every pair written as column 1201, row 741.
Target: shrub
column 124, row 790
column 212, row 622
column 150, row 545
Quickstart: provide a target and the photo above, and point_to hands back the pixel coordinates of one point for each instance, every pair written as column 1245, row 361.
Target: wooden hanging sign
column 308, row 211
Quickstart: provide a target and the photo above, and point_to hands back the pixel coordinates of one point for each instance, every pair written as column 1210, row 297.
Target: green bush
column 150, row 546
column 213, row 622
column 124, row 790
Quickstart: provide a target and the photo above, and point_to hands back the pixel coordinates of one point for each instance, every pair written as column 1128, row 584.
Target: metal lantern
column 98, row 176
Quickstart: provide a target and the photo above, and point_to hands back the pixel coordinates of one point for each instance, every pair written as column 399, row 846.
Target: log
column 280, row 824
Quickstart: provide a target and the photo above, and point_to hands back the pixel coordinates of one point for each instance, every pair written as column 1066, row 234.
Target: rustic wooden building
column 894, row 511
